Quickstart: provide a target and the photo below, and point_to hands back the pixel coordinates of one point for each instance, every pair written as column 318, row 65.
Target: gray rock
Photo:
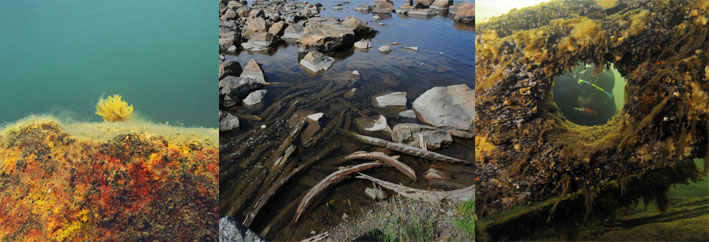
column 391, row 99
column 260, row 42
column 233, row 231
column 293, row 32
column 255, row 97
column 324, row 35
column 227, row 121
column 230, row 101
column 316, row 61
column 363, row 44
column 376, row 125
column 414, row 48
column 337, row 8
column 229, row 68
column 253, row 70
column 418, row 135
column 408, row 116
column 375, row 194
column 238, row 87
column 363, row 8
column 385, row 49
column 422, row 12
column 447, row 107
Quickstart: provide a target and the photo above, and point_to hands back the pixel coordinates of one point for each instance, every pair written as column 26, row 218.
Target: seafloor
column 131, row 186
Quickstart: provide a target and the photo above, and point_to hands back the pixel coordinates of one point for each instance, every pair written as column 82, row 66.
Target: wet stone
column 391, row 99
column 227, row 121
column 254, row 97
column 316, row 61
column 385, row 49
column 418, row 135
column 408, row 116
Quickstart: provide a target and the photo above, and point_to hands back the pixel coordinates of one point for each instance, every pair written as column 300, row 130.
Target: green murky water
column 60, row 57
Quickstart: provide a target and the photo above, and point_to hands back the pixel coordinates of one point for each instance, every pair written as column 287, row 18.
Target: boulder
column 447, row 107
column 325, row 35
column 293, row 31
column 391, row 99
column 383, row 6
column 253, row 70
column 316, row 61
column 418, row 135
column 230, row 14
column 363, row 8
column 238, row 87
column 441, row 4
column 255, row 97
column 277, row 28
column 360, row 27
column 423, row 3
column 363, row 44
column 465, row 13
column 233, row 231
column 227, row 121
column 385, row 49
column 229, row 68
column 375, row 125
column 253, row 26
column 260, row 42
column 408, row 116
column 226, row 42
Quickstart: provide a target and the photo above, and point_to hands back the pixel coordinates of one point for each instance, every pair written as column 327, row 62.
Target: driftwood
column 333, row 178
column 406, row 149
column 384, row 158
column 460, row 195
column 316, row 238
column 282, row 181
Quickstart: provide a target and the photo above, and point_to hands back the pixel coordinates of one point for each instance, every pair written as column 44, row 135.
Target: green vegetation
column 414, row 227
column 466, row 217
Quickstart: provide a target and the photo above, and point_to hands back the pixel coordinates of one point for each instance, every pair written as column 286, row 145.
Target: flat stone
column 422, row 12
column 391, row 99
column 227, row 121
column 260, row 42
column 363, row 44
column 414, row 48
column 232, row 230
column 337, row 8
column 363, row 8
column 418, row 135
column 316, row 61
column 385, row 49
column 447, row 107
column 315, row 117
column 408, row 116
column 376, row 125
column 255, row 97
column 253, row 70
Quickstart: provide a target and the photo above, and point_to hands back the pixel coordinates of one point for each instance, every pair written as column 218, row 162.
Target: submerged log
column 458, row 196
column 333, row 178
column 406, row 149
column 384, row 158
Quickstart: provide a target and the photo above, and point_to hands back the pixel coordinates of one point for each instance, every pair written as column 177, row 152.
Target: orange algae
column 57, row 187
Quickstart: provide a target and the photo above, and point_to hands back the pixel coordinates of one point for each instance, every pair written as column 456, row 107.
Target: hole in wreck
column 589, row 95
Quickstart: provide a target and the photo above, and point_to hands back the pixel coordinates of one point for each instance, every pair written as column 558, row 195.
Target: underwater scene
column 592, row 120
column 346, row 120
column 108, row 130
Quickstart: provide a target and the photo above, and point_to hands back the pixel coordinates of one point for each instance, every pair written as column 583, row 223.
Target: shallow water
column 60, row 57
column 445, row 57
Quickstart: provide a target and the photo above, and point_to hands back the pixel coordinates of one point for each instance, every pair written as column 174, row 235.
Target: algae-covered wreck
column 528, row 153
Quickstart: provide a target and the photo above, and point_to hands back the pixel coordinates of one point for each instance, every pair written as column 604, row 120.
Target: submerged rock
column 316, row 61
column 233, row 231
column 450, row 107
column 260, row 42
column 227, row 121
column 391, row 99
column 385, row 49
column 363, row 44
column 376, row 125
column 293, row 32
column 418, row 135
column 255, row 97
column 363, row 8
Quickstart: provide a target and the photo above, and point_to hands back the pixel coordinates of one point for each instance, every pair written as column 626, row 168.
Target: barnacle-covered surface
column 133, row 186
column 527, row 152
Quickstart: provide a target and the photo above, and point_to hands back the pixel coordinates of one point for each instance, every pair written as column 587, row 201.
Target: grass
column 413, row 227
column 466, row 216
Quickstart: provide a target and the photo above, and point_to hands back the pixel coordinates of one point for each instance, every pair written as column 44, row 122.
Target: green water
column 59, row 57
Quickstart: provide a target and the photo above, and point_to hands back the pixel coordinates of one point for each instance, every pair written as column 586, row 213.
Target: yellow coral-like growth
column 113, row 109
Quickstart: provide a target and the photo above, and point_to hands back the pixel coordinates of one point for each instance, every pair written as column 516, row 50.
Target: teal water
column 60, row 56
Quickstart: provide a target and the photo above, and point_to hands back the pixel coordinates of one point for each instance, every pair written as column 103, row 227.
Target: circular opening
column 588, row 95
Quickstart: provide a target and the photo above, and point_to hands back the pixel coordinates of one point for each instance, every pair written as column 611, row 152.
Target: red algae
column 135, row 186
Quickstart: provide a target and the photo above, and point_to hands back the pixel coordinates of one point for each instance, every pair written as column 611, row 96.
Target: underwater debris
column 133, row 187
column 531, row 153
column 113, row 109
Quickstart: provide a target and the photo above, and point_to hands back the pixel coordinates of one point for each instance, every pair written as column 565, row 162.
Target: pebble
column 385, row 49
column 263, row 126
